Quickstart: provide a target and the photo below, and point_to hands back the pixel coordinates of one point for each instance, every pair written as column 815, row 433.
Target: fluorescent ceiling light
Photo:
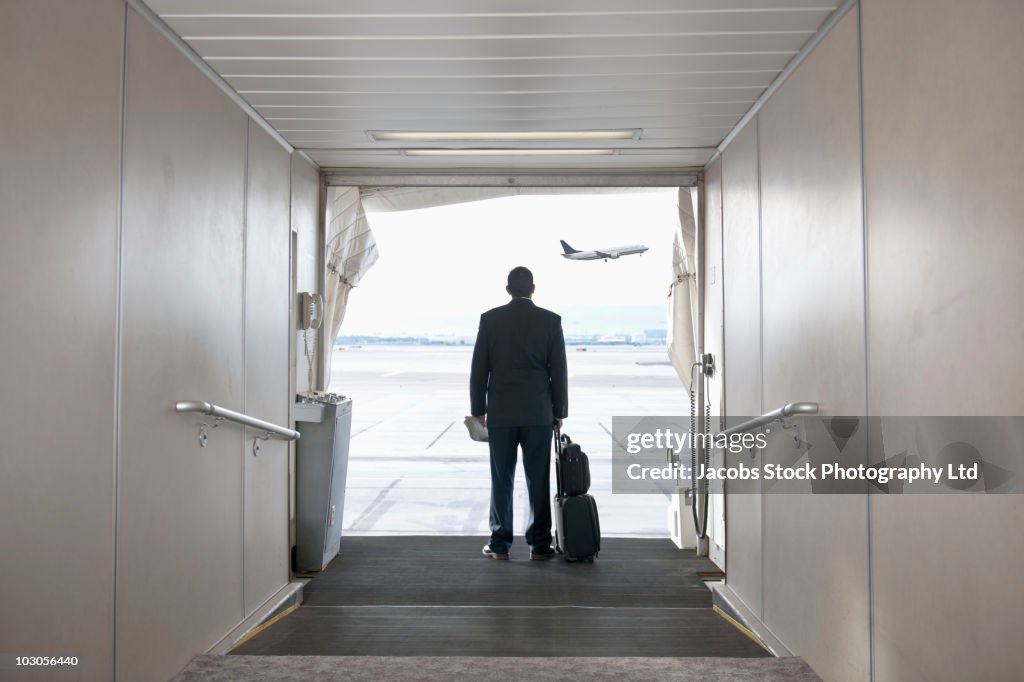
column 502, row 135
column 509, row 152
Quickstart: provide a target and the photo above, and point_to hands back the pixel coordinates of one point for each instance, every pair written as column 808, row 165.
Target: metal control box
column 321, row 468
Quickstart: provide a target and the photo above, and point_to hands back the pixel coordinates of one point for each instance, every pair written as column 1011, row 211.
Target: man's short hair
column 520, row 281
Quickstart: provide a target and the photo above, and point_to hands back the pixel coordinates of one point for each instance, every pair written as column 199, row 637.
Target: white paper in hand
column 477, row 431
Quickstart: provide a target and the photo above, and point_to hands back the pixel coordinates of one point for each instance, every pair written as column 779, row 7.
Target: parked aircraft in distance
column 615, row 252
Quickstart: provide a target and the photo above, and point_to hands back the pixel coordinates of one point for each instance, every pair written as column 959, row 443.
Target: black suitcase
column 577, row 528
column 572, row 467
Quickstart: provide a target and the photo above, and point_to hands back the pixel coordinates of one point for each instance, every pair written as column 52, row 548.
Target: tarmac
column 414, row 471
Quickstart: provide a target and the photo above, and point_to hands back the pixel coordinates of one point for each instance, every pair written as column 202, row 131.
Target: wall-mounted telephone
column 311, row 310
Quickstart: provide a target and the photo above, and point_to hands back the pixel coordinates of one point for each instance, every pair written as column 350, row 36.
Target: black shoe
column 541, row 554
column 491, row 554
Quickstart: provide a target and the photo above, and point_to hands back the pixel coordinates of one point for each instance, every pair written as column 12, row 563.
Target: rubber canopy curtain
column 682, row 302
column 350, row 252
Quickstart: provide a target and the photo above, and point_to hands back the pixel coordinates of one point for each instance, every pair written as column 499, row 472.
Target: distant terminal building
column 579, row 339
column 656, row 335
column 450, row 340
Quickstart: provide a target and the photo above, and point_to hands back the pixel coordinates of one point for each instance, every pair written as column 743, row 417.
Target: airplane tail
column 568, row 249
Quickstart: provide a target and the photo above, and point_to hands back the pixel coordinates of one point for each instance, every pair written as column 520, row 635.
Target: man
column 519, row 390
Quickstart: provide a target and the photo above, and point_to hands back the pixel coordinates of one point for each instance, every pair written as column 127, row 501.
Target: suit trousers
column 536, row 444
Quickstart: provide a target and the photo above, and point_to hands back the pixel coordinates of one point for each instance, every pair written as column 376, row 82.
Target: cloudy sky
column 439, row 268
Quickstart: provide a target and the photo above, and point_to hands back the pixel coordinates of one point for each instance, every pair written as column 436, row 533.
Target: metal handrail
column 784, row 411
column 237, row 417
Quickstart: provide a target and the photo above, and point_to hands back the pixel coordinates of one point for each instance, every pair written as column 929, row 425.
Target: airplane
column 573, row 254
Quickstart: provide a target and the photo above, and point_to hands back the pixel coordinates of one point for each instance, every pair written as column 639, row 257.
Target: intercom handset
column 311, row 310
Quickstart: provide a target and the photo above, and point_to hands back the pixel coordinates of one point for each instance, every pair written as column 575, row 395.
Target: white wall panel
column 713, row 337
column 267, row 334
column 59, row 175
column 712, row 254
column 943, row 92
column 306, row 224
column 815, row 546
column 741, row 360
column 305, row 221
column 179, row 577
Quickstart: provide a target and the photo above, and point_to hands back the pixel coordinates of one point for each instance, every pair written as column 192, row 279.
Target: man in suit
column 519, row 390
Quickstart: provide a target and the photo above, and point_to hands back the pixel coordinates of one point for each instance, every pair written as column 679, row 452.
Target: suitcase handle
column 561, row 440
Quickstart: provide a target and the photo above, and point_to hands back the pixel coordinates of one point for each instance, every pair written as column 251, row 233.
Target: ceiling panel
column 750, row 62
column 682, row 117
column 650, row 139
column 640, row 135
column 479, row 84
column 331, row 158
column 384, row 122
column 468, row 7
column 476, row 118
column 456, row 101
column 502, row 27
column 495, row 48
column 324, row 72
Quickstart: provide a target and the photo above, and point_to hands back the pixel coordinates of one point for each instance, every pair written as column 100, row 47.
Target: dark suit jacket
column 519, row 375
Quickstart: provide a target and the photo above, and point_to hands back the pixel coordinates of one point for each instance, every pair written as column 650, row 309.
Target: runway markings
column 608, row 431
column 439, row 435
column 366, row 429
column 375, row 510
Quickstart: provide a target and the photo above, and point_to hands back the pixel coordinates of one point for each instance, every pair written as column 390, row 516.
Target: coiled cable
column 698, row 488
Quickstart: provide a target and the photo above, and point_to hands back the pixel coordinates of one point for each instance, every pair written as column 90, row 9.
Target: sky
column 439, row 268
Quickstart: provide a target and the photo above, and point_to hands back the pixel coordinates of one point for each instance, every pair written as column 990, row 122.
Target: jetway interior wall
column 862, row 265
column 59, row 209
column 148, row 226
column 943, row 173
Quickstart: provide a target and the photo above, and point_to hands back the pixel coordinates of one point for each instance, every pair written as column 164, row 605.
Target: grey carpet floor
column 554, row 632
column 437, row 668
column 450, row 571
column 438, row 596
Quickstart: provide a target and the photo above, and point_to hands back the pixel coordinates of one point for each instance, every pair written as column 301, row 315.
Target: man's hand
column 557, row 427
column 483, row 420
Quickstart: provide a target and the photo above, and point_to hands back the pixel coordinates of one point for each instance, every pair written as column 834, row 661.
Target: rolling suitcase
column 572, row 467
column 577, row 526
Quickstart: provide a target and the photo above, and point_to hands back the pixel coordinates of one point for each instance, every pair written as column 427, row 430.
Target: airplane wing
column 607, row 254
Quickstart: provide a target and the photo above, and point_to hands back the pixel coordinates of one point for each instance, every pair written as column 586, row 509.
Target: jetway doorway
column 403, row 351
